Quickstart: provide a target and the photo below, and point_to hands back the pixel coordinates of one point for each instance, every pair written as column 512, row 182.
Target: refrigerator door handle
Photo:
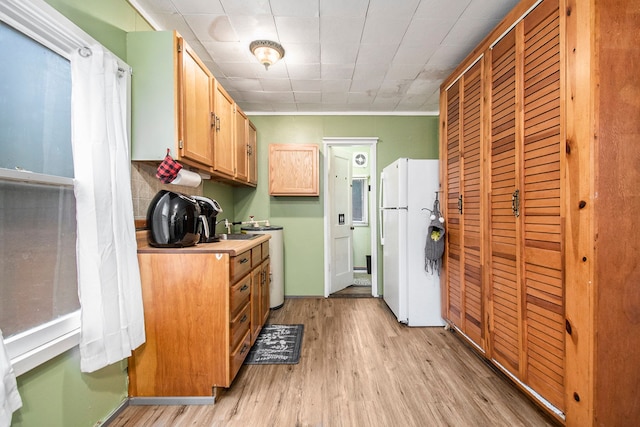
column 380, row 208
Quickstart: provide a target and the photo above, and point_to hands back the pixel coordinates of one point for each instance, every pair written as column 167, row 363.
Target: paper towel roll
column 187, row 178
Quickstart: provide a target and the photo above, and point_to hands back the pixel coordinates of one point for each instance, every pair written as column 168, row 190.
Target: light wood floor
column 358, row 367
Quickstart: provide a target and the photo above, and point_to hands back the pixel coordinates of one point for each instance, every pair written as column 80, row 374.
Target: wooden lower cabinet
column 199, row 321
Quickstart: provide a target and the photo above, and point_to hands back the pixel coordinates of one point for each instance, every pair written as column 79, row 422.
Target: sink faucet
column 227, row 224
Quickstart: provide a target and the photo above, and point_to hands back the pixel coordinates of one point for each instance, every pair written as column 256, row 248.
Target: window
column 39, row 307
column 360, row 201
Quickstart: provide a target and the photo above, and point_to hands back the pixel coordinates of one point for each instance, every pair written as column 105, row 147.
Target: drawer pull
column 244, row 348
column 244, row 287
column 244, row 260
column 244, row 319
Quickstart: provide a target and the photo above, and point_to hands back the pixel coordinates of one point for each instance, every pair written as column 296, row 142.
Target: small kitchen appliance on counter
column 173, row 220
column 209, row 210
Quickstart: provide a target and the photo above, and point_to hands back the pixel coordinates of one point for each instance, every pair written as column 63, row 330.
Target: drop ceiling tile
column 434, row 9
column 228, row 52
column 246, row 7
column 304, row 71
column 276, row 85
column 448, row 57
column 335, row 86
column 394, row 88
column 244, row 85
column 367, row 72
column 413, row 54
column 337, row 71
column 339, row 53
column 385, row 31
column 335, row 97
column 361, row 98
column 254, row 27
column 276, row 71
column 419, row 87
column 298, row 30
column 237, row 69
column 426, row 32
column 370, row 85
column 390, row 9
column 273, row 97
column 212, row 28
column 469, row 32
column 174, row 21
column 344, row 8
column 341, row 30
column 301, row 53
column 189, row 7
column 489, row 9
column 306, row 85
column 154, row 6
column 307, row 97
column 376, row 55
column 295, row 8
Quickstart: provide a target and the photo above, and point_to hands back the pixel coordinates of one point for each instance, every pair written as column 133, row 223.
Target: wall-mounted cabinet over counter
column 293, row 170
column 177, row 104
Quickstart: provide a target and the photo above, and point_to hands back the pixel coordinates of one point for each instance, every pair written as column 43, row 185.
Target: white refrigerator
column 407, row 189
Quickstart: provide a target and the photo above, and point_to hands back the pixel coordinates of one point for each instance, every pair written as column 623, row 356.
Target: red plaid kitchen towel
column 168, row 169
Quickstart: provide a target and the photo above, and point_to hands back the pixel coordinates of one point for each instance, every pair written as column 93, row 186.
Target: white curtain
column 112, row 321
column 9, row 397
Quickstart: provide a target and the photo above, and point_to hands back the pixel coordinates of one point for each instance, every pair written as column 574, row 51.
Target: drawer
column 256, row 256
column 239, row 296
column 239, row 326
column 240, row 265
column 265, row 249
column 238, row 355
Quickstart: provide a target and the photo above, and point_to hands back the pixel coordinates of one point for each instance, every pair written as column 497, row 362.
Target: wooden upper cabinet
column 241, row 144
column 293, row 170
column 178, row 105
column 252, row 154
column 223, row 146
column 195, row 85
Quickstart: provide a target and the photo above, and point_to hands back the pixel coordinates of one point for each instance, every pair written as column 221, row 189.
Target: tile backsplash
column 145, row 185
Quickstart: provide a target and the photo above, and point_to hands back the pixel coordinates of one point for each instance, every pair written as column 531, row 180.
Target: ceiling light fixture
column 267, row 52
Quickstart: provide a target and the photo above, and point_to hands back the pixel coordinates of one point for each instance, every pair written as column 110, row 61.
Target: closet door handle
column 460, row 204
column 515, row 203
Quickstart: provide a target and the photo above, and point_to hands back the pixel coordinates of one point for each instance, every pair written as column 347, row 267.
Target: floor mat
column 276, row 345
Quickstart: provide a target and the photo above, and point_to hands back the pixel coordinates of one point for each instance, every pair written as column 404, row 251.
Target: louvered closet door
column 503, row 285
column 541, row 200
column 472, row 273
column 452, row 219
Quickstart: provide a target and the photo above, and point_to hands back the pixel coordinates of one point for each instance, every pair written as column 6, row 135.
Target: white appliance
column 407, row 187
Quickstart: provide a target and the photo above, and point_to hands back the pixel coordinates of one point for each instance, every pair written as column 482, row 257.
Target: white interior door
column 340, row 219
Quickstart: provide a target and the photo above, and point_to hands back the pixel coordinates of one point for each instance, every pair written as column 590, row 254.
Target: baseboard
column 113, row 415
column 178, row 400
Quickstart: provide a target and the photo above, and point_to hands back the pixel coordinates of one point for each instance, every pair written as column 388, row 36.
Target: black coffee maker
column 209, row 210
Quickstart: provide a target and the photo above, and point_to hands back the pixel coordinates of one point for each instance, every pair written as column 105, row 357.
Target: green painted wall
column 57, row 393
column 302, row 217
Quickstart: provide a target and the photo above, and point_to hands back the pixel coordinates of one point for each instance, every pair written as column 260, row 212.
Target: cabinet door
column 195, row 103
column 241, row 145
column 541, row 212
column 256, row 303
column 453, row 310
column 472, row 293
column 252, row 154
column 223, row 149
column 293, row 170
column 265, row 291
column 463, row 271
column 504, row 289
